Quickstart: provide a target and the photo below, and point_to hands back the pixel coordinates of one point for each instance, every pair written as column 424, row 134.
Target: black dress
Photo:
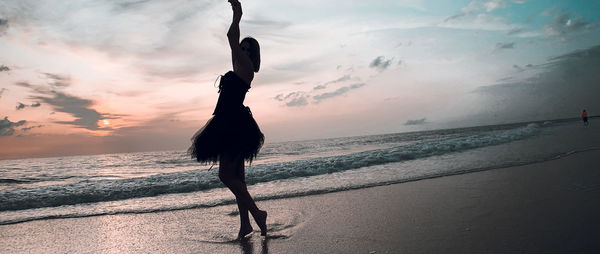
column 232, row 129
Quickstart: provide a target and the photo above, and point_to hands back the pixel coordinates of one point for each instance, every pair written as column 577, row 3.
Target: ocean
column 82, row 186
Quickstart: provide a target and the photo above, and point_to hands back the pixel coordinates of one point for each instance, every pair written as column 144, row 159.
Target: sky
column 107, row 76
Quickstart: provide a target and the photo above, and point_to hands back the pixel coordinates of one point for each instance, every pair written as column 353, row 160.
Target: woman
column 232, row 135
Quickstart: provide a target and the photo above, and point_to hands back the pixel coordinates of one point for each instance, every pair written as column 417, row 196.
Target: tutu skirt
column 235, row 133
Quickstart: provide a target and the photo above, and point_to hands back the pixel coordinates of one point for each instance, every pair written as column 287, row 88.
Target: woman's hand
column 236, row 6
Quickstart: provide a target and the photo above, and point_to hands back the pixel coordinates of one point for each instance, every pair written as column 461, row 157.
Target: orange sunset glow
column 137, row 79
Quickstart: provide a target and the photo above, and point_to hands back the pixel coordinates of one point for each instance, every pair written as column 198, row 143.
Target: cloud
column 493, row 5
column 475, row 7
column 565, row 27
column 456, row 16
column 301, row 98
column 515, row 31
column 31, row 127
column 505, row 45
column 472, row 7
column 2, row 91
column 319, row 87
column 108, row 25
column 341, row 79
column 523, row 33
column 380, row 63
column 4, row 68
column 35, row 88
column 518, row 68
column 294, row 99
column 3, row 26
column 262, row 22
column 20, row 106
column 7, row 127
column 163, row 44
column 480, row 9
column 564, row 86
column 501, row 45
column 57, row 80
column 298, row 101
column 339, row 91
column 488, row 6
column 415, row 122
column 24, row 84
column 128, row 5
column 280, row 97
column 77, row 107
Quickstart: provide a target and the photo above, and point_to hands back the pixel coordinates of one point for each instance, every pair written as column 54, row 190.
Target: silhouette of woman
column 232, row 135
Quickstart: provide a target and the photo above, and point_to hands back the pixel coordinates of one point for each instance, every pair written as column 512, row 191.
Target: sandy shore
column 550, row 207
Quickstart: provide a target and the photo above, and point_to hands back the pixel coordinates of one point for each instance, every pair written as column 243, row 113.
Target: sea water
column 81, row 186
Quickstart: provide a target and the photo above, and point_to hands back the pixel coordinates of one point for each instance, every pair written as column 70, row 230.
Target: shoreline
column 542, row 207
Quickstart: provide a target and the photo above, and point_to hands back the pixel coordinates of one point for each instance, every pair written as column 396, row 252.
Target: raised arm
column 242, row 66
column 234, row 30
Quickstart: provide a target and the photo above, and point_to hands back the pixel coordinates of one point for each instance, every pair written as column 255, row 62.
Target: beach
column 547, row 207
column 370, row 127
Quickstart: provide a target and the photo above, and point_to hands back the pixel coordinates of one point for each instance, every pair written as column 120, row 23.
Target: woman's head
column 250, row 46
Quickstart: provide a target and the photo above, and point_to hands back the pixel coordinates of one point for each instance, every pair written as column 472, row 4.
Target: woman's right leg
column 228, row 166
column 245, row 226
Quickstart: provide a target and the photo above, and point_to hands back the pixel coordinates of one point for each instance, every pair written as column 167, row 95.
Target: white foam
column 197, row 180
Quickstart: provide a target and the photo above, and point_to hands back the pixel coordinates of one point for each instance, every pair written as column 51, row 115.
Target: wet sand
column 549, row 207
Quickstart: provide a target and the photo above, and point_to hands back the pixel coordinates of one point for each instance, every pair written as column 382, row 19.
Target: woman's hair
column 254, row 52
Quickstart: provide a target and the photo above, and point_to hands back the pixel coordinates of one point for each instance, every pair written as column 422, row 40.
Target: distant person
column 232, row 136
column 584, row 117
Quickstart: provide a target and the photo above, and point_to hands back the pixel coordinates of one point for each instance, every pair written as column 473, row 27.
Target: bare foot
column 244, row 231
column 262, row 222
